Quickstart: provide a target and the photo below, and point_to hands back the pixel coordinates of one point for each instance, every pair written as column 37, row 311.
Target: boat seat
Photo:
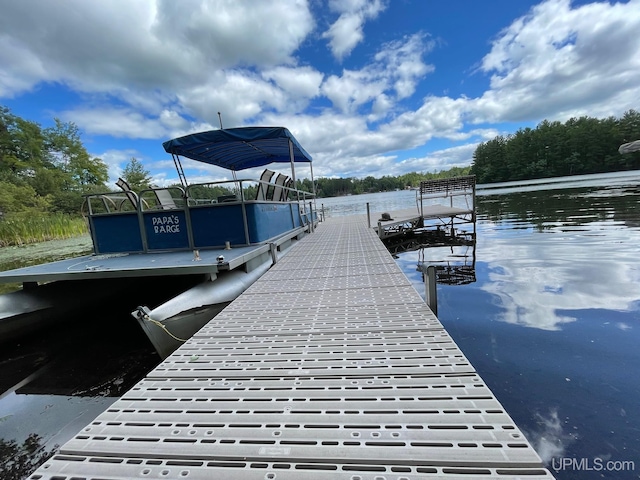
column 275, row 192
column 263, row 188
column 165, row 200
column 131, row 195
column 285, row 191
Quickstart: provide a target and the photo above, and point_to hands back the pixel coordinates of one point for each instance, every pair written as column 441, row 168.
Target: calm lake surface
column 548, row 313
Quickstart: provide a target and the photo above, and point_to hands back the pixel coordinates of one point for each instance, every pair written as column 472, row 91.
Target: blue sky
column 378, row 87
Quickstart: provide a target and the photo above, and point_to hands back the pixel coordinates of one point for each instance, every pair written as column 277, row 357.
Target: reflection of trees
column 578, row 206
column 20, row 461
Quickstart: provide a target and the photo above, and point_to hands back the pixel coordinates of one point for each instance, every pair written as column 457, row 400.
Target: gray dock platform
column 331, row 366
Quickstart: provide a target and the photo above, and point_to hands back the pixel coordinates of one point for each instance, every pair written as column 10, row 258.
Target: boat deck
column 331, row 366
column 127, row 265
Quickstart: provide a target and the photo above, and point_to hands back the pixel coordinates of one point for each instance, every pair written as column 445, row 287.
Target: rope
column 157, row 323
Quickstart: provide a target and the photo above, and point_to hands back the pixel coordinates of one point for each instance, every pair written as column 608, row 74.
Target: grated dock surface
column 331, row 366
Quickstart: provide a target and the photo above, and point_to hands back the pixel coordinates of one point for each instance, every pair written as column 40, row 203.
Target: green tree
column 490, row 161
column 136, row 175
column 202, row 193
column 305, row 185
column 21, row 147
column 20, row 198
column 66, row 152
column 630, row 126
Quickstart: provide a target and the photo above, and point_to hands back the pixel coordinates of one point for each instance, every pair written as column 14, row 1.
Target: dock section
column 330, row 366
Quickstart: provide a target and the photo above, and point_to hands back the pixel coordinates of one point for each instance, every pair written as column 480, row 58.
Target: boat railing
column 243, row 190
column 165, row 198
column 206, row 215
column 247, row 190
column 175, row 197
column 109, row 203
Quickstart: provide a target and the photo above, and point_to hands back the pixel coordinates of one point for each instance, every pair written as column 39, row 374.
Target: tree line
column 334, row 187
column 552, row 149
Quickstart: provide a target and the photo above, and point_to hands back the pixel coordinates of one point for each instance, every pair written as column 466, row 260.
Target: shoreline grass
column 23, row 229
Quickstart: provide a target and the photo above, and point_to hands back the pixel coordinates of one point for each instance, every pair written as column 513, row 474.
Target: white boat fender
column 220, row 258
column 142, row 313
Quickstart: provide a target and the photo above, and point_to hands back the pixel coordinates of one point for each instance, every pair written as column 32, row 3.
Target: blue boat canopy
column 239, row 148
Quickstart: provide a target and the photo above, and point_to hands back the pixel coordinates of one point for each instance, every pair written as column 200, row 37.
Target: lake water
column 548, row 314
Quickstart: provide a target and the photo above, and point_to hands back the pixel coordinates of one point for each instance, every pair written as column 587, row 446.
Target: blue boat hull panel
column 166, row 230
column 213, row 225
column 116, row 233
column 268, row 220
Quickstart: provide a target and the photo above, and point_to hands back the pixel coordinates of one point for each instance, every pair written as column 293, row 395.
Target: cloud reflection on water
column 547, row 273
column 549, row 439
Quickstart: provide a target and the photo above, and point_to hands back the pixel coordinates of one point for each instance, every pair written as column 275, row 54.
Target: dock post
column 368, row 216
column 273, row 251
column 312, row 225
column 430, row 287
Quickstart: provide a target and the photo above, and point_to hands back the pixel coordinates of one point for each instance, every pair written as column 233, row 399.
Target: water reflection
column 566, row 208
column 551, row 323
column 454, row 260
column 550, row 254
column 18, row 460
column 56, row 381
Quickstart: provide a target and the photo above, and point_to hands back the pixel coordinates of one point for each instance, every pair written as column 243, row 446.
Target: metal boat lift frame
column 457, row 218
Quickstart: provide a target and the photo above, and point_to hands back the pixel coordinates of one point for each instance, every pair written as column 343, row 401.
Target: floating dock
column 331, row 366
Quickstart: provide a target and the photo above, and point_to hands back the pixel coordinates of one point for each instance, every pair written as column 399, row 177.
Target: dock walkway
column 331, row 366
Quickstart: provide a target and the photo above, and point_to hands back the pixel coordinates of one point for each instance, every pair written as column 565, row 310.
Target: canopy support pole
column 313, row 183
column 313, row 186
column 293, row 168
